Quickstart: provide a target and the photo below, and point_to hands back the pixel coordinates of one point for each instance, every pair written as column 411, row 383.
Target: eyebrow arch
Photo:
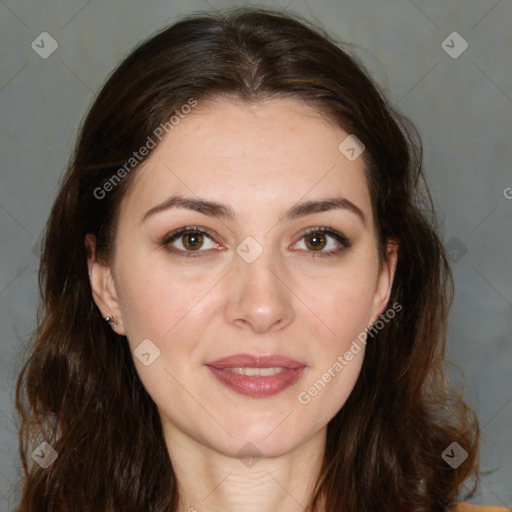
column 214, row 209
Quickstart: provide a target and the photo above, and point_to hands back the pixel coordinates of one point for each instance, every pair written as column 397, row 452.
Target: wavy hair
column 79, row 389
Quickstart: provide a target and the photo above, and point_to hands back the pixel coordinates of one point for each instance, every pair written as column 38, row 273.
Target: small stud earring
column 111, row 320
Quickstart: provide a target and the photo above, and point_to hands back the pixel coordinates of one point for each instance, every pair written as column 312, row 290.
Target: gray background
column 461, row 106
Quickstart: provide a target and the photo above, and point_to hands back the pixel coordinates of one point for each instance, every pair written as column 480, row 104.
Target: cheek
column 154, row 300
column 343, row 307
column 342, row 301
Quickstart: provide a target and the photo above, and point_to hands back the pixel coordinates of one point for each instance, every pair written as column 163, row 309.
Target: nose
column 259, row 296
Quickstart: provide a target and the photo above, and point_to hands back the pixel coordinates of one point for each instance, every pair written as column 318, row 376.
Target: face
column 245, row 268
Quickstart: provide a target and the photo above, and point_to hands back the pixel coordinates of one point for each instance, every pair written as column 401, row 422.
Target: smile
column 257, row 376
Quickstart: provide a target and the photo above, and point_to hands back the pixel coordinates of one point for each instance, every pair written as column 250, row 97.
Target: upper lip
column 256, row 361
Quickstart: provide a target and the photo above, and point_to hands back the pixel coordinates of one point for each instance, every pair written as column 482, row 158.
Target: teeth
column 257, row 372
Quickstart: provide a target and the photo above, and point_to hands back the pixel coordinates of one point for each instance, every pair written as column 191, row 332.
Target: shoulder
column 466, row 507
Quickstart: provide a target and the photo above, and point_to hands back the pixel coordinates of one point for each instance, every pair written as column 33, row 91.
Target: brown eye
column 315, row 241
column 323, row 241
column 192, row 241
column 189, row 240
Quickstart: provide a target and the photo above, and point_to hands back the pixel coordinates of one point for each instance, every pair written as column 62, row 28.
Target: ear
column 103, row 287
column 385, row 281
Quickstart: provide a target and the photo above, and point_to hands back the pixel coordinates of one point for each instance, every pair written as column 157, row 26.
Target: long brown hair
column 79, row 389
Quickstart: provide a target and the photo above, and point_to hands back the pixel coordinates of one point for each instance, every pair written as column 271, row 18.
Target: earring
column 111, row 320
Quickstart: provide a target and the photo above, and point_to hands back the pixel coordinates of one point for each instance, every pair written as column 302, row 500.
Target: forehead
column 274, row 152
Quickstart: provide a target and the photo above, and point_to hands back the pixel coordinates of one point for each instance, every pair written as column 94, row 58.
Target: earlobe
column 103, row 287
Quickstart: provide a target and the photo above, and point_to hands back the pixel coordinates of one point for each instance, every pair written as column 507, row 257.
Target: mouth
column 257, row 376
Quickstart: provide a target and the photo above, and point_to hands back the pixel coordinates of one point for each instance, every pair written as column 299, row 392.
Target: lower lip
column 256, row 386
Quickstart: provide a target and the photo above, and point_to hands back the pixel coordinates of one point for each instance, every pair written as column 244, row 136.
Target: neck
column 213, row 482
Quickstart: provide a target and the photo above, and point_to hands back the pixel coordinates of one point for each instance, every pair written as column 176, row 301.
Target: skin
column 260, row 160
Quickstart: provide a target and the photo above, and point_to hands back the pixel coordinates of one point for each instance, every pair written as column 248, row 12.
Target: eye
column 315, row 240
column 189, row 240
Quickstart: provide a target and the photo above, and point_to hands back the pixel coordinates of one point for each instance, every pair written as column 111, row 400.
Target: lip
column 257, row 386
column 255, row 361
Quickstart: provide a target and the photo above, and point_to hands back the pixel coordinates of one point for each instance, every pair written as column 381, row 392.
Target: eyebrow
column 214, row 209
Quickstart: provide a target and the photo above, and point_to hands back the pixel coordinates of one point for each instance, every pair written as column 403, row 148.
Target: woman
column 245, row 297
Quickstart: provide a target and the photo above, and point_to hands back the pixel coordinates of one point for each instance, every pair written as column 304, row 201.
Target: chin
column 266, row 439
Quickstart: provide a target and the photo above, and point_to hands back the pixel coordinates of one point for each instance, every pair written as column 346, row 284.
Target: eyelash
column 345, row 242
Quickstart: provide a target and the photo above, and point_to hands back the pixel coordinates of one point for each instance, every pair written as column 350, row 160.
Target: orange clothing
column 466, row 507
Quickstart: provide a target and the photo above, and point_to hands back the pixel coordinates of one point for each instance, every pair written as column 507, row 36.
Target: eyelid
column 187, row 229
